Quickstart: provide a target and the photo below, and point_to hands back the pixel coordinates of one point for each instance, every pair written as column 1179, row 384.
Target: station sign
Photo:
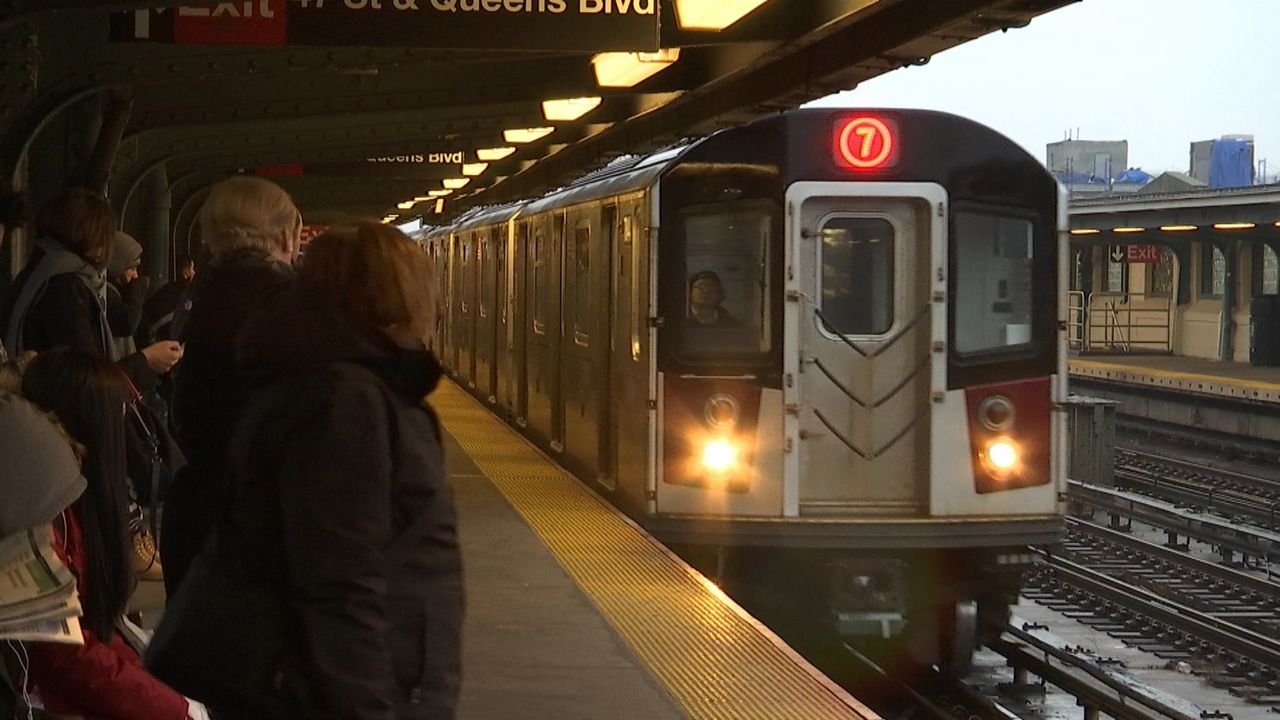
column 586, row 26
column 1134, row 254
column 423, row 165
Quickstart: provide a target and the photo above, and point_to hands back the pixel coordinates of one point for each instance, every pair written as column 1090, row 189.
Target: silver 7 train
column 831, row 340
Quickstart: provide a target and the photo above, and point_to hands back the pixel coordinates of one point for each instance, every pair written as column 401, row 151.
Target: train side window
column 857, row 281
column 582, row 283
column 631, row 254
column 992, row 283
column 467, row 280
column 539, row 281
column 727, row 281
column 486, row 277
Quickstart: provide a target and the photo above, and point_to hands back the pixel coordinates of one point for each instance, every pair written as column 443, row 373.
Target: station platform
column 1183, row 374
column 574, row 612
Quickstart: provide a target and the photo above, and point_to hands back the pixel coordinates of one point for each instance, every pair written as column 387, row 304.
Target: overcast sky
column 1158, row 73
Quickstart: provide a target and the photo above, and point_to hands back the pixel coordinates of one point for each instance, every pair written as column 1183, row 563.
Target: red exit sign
column 1142, row 253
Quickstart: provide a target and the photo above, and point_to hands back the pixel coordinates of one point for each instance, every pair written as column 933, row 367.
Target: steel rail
column 1227, row 635
column 1247, row 540
column 1241, row 580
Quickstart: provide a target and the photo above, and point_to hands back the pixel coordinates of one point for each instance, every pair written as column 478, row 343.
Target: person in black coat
column 339, row 498
column 251, row 229
column 59, row 297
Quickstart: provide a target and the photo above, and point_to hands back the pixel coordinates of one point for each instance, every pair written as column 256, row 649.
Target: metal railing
column 1120, row 322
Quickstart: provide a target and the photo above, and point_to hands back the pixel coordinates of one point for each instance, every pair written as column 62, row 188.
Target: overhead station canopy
column 406, row 108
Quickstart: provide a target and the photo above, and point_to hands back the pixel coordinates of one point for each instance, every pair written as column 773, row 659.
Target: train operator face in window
column 705, row 297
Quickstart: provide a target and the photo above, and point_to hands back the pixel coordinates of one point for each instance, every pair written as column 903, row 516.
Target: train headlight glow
column 719, row 456
column 1002, row 455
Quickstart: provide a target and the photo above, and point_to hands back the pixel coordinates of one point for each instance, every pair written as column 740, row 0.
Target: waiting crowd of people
column 272, row 429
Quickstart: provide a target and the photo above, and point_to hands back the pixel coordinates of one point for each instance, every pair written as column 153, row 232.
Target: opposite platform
column 574, row 612
column 1195, row 376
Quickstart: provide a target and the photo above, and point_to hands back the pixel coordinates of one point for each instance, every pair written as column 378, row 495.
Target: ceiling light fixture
column 474, row 169
column 526, row 135
column 456, row 183
column 628, row 69
column 493, row 154
column 712, row 14
column 568, row 109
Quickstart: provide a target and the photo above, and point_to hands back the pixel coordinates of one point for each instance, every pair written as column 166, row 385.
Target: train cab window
column 992, row 282
column 582, row 283
column 857, row 275
column 727, row 282
column 539, row 281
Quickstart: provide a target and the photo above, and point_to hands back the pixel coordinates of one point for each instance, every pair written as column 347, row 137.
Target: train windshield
column 726, row 308
column 993, row 259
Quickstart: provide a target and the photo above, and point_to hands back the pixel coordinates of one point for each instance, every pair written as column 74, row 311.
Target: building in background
column 1223, row 163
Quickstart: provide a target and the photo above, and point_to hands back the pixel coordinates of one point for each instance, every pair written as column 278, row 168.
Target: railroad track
column 1232, row 494
column 1229, row 654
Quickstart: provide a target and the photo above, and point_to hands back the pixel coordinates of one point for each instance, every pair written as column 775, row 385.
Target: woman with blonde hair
column 339, row 503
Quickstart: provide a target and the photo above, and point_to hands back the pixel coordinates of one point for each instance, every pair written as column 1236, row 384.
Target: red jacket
column 97, row 680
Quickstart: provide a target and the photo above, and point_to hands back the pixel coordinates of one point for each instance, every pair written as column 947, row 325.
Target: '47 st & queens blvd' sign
column 566, row 25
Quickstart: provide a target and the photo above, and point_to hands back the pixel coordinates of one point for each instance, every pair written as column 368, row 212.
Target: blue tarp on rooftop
column 1231, row 164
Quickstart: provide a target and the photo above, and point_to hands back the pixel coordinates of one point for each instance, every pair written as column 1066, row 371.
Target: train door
column 864, row 362
column 502, row 337
column 579, row 372
column 521, row 312
column 606, row 301
column 465, row 336
column 486, row 315
column 542, row 328
column 558, row 331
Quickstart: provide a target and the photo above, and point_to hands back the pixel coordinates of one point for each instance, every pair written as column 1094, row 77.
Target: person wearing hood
column 59, row 298
column 339, row 501
column 126, row 292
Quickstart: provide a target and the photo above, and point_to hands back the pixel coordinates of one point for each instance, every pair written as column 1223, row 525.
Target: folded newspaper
column 38, row 598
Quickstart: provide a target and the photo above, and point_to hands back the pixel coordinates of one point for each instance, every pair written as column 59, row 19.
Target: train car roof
column 624, row 175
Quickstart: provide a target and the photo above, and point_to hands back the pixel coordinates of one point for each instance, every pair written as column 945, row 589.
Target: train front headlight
column 720, row 456
column 1002, row 456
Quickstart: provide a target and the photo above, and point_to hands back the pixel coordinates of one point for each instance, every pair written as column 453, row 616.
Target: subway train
column 831, row 341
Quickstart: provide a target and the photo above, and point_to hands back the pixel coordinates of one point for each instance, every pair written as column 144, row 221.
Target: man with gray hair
column 250, row 229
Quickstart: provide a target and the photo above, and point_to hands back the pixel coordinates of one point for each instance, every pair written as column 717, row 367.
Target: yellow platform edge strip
column 713, row 659
column 1133, row 370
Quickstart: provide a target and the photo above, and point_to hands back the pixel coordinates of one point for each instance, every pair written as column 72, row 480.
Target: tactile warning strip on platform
column 713, row 659
column 1198, row 383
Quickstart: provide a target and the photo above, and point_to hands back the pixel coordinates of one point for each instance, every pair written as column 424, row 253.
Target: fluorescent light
column 1086, row 231
column 421, row 198
column 456, row 183
column 473, row 169
column 712, row 14
column 389, row 219
column 440, row 193
column 1178, row 228
column 406, row 205
column 526, row 135
column 492, row 154
column 439, row 206
column 568, row 109
column 627, row 69
column 1124, row 230
column 1234, row 226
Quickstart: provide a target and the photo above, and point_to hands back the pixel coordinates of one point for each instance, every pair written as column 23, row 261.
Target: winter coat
column 98, row 680
column 52, row 304
column 340, row 502
column 209, row 393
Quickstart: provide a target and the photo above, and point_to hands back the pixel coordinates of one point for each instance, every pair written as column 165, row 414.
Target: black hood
column 302, row 335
